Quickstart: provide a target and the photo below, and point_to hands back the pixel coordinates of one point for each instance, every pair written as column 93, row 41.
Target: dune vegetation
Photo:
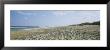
column 76, row 32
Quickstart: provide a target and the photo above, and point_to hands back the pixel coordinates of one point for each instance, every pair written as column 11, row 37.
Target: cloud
column 24, row 12
column 59, row 13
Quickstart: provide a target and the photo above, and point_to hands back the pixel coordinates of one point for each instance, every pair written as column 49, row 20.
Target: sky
column 52, row 18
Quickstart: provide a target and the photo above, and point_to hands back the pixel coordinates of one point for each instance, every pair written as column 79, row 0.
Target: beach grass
column 85, row 32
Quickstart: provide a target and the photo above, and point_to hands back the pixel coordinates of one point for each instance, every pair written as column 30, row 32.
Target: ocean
column 19, row 28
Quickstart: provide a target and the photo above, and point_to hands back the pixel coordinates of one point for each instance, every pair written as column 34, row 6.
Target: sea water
column 20, row 28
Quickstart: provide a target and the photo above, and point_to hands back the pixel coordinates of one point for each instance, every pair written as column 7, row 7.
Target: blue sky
column 52, row 18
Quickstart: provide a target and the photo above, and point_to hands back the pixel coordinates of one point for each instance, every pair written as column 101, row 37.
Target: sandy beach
column 86, row 32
